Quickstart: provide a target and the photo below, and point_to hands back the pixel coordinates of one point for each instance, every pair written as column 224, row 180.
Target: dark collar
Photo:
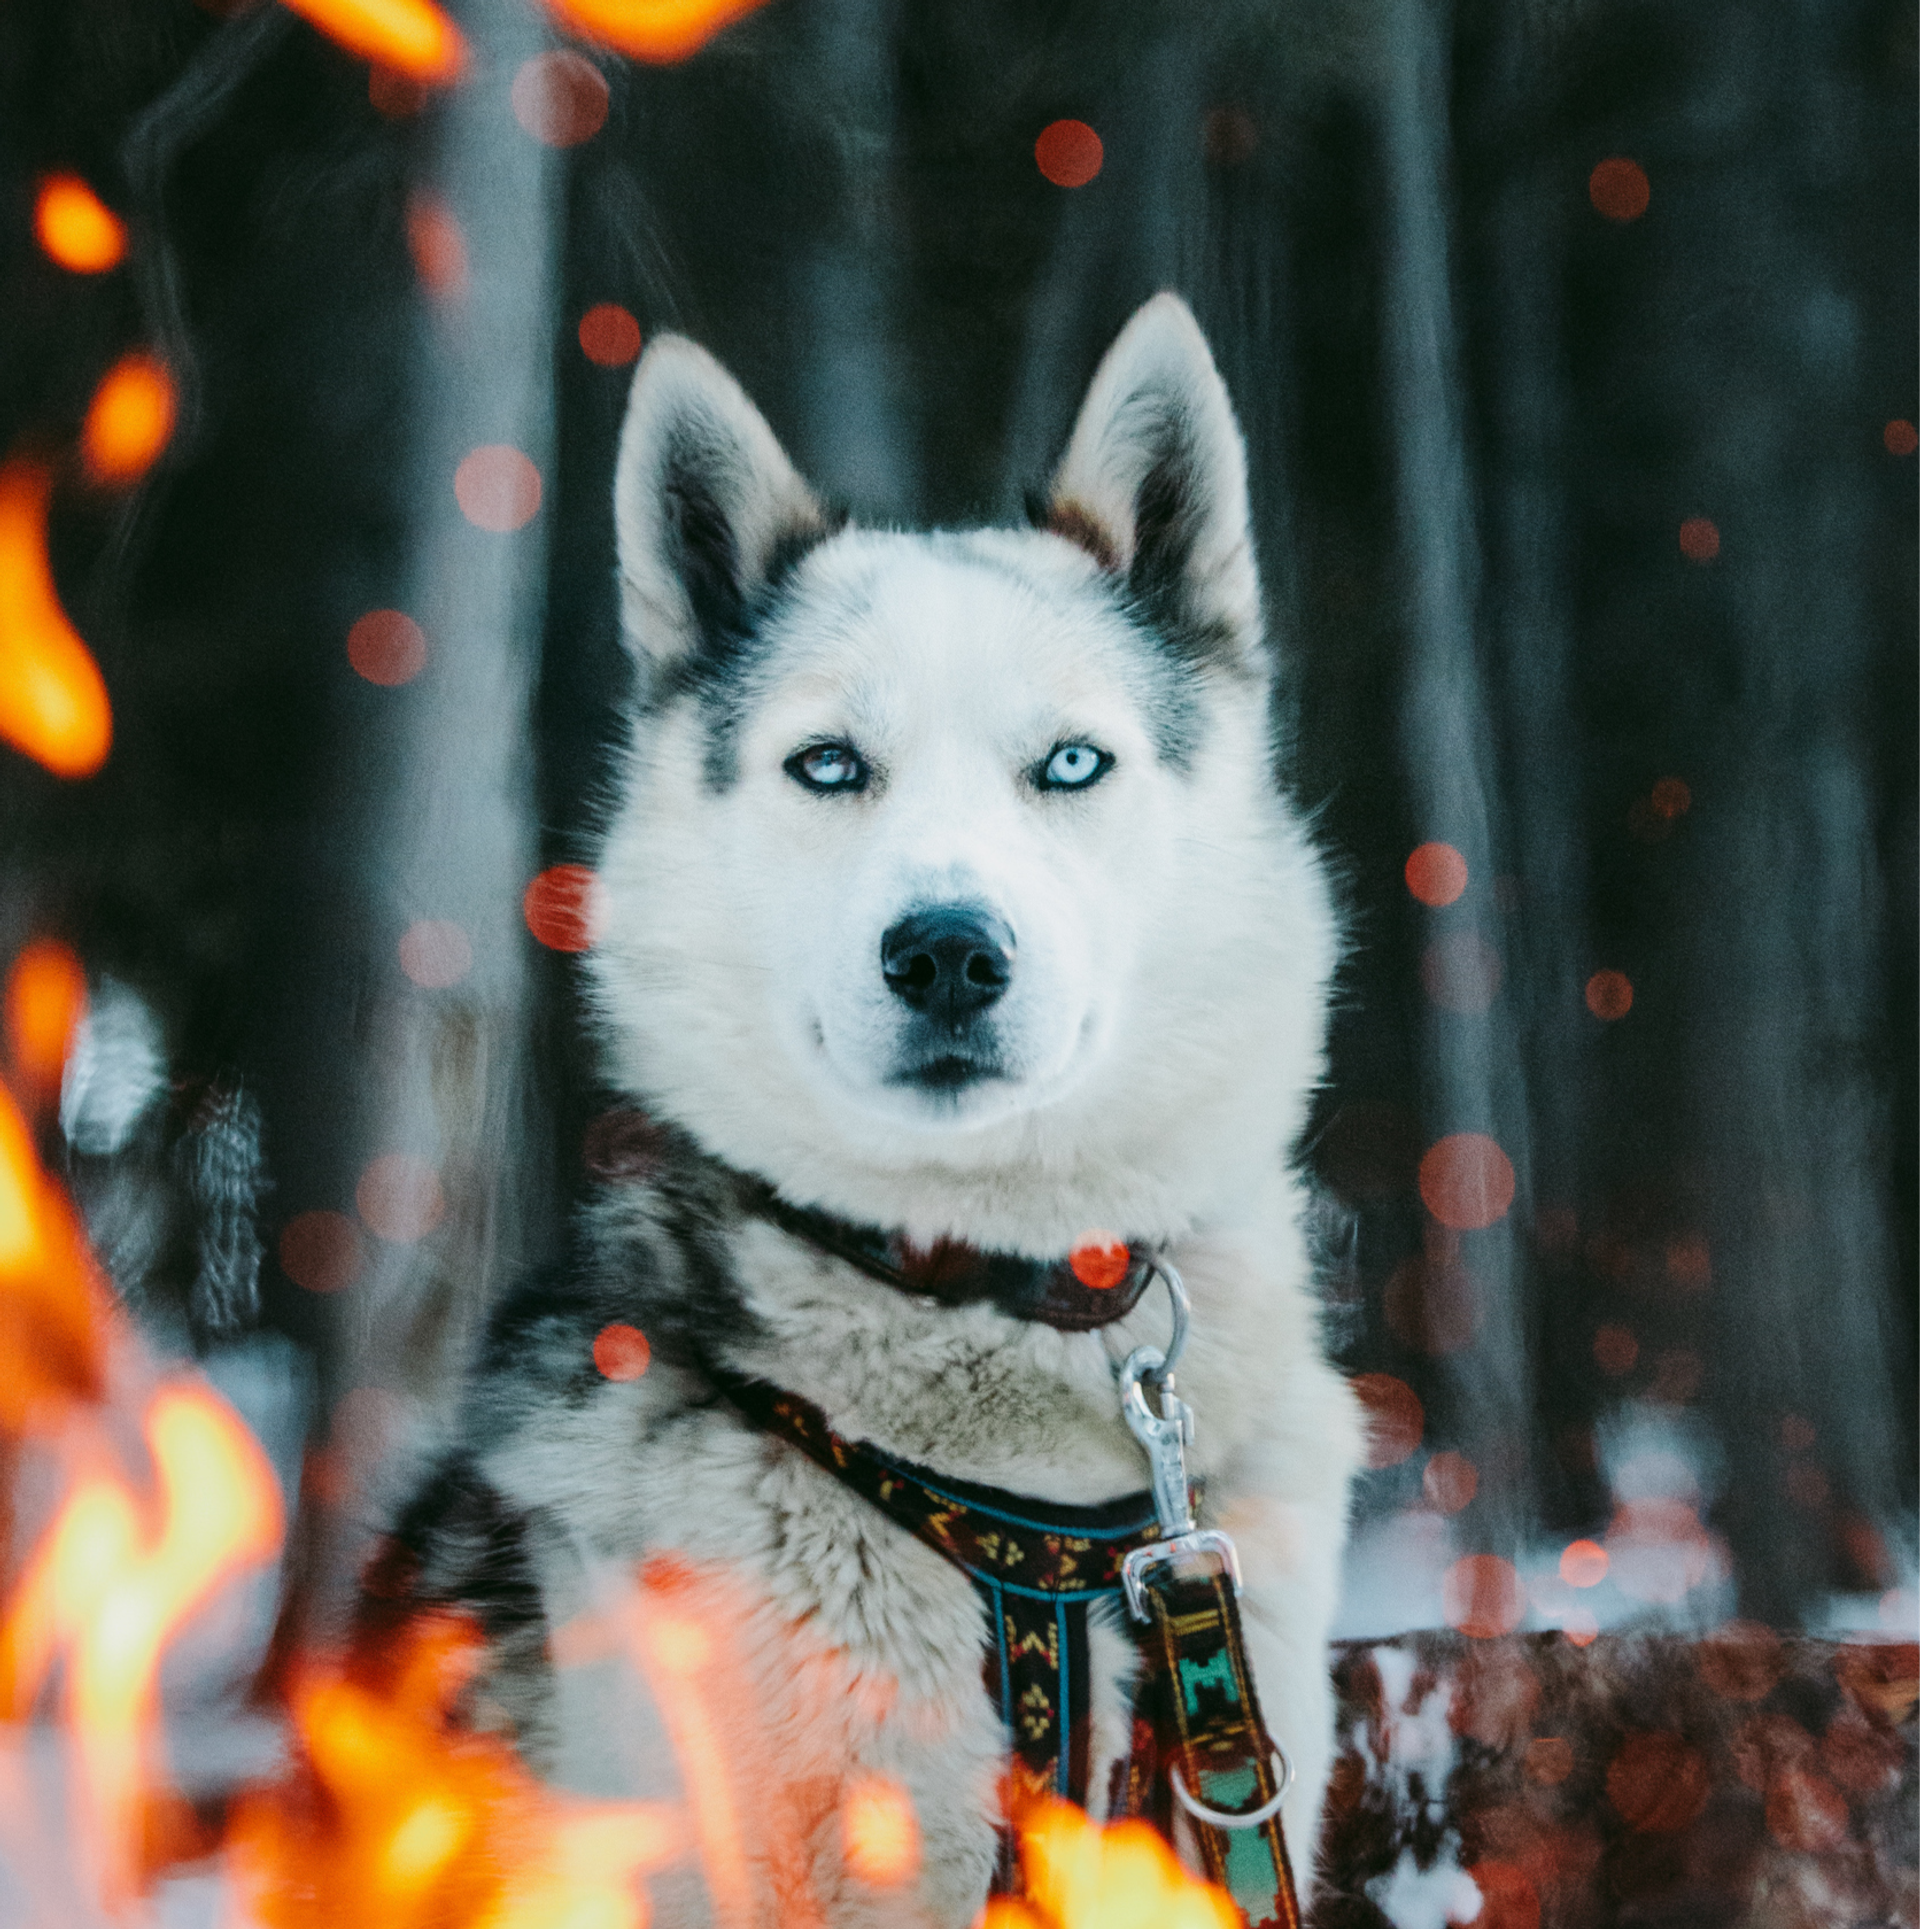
column 1049, row 1291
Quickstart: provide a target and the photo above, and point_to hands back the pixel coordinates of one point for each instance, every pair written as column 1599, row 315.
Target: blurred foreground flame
column 53, row 704
column 1082, row 1876
column 403, row 1818
column 410, row 37
column 655, row 30
column 129, row 420
column 75, row 227
column 46, row 1000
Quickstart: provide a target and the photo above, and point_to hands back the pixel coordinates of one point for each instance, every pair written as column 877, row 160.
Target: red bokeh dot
column 1450, row 1482
column 1508, row 1899
column 1616, row 1350
column 321, row 1251
column 498, row 488
column 1395, row 1418
column 438, row 247
column 1901, row 437
column 435, row 953
column 1069, row 153
column 1658, row 1782
column 560, row 98
column 399, row 1197
column 1549, row 1760
column 1436, row 874
column 1671, row 797
column 1466, row 1181
column 1609, row 995
column 1741, row 1661
column 609, row 335
column 1100, row 1260
column 1699, row 539
column 620, row 1351
column 559, row 906
column 1618, row 188
column 1805, row 1812
column 1583, row 1564
column 387, row 648
column 1580, row 1628
column 1482, row 1597
column 1689, row 1262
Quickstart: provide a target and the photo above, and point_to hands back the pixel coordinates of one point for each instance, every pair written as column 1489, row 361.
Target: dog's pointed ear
column 707, row 509
column 1154, row 486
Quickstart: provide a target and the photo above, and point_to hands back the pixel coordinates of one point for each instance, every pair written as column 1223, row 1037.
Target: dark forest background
column 1478, row 411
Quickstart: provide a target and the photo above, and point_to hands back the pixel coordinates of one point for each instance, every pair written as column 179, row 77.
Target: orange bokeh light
column 1436, row 874
column 53, row 704
column 1508, row 1899
column 498, row 488
column 1450, row 1482
column 620, row 1351
column 129, row 421
column 1699, row 539
column 321, row 1251
column 1609, row 995
column 1069, row 153
column 1395, row 1418
column 1466, row 1181
column 1100, row 1260
column 1671, row 797
column 1900, row 437
column 1658, row 1782
column 1583, row 1564
column 76, row 228
column 387, row 647
column 609, row 335
column 46, row 999
column 435, row 953
column 881, row 1832
column 1619, row 189
column 559, row 98
column 409, row 37
column 559, row 907
column 1481, row 1595
column 1615, row 1350
column 437, row 246
column 399, row 1197
column 661, row 31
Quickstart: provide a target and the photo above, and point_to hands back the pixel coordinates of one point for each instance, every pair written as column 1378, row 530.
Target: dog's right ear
column 707, row 509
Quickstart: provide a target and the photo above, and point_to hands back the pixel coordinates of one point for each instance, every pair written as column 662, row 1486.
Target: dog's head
column 953, row 852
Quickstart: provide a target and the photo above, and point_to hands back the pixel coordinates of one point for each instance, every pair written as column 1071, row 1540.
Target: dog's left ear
column 1154, row 485
column 707, row 509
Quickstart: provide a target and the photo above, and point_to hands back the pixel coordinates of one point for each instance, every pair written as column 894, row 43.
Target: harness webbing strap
column 1039, row 1574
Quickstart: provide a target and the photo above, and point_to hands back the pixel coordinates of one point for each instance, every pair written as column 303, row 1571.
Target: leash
column 1040, row 1567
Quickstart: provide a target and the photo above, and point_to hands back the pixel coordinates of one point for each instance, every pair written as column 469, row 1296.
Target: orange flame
column 1081, row 1876
column 129, row 420
column 75, row 227
column 662, row 31
column 402, row 1819
column 410, row 37
column 46, row 999
column 53, row 704
column 110, row 1595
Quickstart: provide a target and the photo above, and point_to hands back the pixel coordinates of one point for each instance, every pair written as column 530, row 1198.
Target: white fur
column 1161, row 1037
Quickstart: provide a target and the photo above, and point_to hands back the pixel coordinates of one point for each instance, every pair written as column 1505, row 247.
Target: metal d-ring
column 1218, row 1817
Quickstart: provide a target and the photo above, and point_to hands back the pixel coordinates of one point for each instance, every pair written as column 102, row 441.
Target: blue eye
column 1073, row 766
column 828, row 766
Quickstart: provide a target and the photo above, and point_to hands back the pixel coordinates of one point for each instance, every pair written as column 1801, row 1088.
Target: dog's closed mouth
column 951, row 1072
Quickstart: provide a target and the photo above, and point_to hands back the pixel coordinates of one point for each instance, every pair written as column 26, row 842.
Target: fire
column 76, row 228
column 1081, row 1876
column 129, row 420
column 410, row 37
column 655, row 30
column 109, row 1591
column 399, row 1817
column 53, row 704
column 46, row 999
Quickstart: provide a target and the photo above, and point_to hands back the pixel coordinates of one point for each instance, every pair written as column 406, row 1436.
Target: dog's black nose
column 950, row 962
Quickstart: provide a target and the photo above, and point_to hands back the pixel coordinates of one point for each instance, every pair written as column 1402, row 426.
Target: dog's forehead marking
column 964, row 626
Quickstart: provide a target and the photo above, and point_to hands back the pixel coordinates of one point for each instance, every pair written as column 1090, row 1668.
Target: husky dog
column 948, row 891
